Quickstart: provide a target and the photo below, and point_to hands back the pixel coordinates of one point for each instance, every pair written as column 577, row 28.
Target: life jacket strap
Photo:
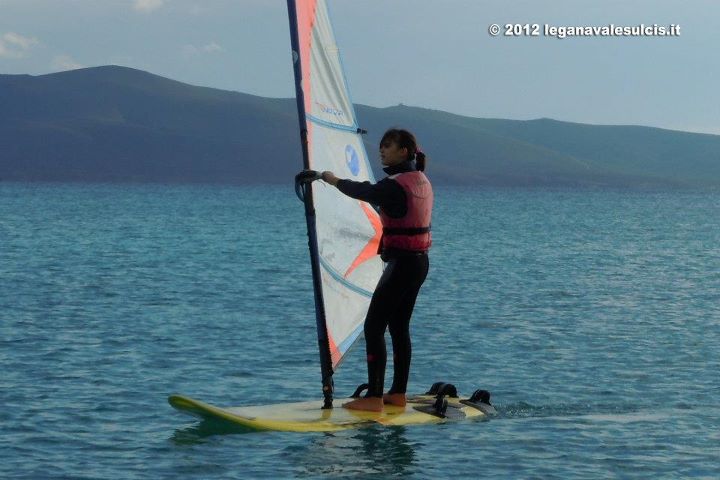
column 405, row 231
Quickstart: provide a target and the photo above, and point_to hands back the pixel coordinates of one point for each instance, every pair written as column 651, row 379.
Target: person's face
column 391, row 154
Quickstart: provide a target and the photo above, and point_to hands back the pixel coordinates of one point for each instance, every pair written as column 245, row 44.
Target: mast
column 322, row 333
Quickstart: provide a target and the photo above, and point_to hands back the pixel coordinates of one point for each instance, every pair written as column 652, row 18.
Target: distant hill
column 117, row 124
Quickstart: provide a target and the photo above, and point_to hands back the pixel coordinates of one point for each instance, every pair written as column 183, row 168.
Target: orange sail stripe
column 335, row 354
column 371, row 249
column 306, row 20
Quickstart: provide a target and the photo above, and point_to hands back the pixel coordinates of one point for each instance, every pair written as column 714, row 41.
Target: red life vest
column 411, row 232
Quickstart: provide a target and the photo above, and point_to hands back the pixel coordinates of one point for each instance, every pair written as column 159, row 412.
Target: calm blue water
column 593, row 317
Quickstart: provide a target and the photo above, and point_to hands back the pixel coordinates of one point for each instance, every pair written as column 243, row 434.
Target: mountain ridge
column 119, row 124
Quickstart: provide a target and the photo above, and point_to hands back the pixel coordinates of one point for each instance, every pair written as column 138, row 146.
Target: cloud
column 210, row 48
column 198, row 9
column 147, row 5
column 14, row 45
column 65, row 62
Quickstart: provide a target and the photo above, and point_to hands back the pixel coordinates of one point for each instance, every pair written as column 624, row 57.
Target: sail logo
column 329, row 109
column 352, row 160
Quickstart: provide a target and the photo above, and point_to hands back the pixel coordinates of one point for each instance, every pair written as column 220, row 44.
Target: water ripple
column 592, row 317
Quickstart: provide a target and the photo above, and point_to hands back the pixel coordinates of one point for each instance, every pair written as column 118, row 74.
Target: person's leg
column 384, row 301
column 414, row 275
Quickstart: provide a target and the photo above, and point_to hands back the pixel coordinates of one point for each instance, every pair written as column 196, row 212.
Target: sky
column 436, row 54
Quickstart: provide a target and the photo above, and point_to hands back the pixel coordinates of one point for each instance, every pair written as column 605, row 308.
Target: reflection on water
column 366, row 451
column 198, row 433
column 358, row 452
column 373, row 450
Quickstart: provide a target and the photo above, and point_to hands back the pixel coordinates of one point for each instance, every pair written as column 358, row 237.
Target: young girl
column 405, row 200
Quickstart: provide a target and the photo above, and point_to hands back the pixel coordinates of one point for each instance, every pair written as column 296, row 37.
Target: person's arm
column 386, row 194
column 329, row 177
column 375, row 194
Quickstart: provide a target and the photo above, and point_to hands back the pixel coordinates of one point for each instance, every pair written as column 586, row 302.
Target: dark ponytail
column 405, row 139
column 420, row 160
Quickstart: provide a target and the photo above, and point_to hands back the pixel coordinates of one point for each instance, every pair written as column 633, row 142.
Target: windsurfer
column 405, row 200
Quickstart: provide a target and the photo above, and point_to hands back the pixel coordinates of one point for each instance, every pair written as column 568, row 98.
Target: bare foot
column 397, row 399
column 369, row 404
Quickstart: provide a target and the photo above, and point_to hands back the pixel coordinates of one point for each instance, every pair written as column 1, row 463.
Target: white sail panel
column 330, row 101
column 348, row 231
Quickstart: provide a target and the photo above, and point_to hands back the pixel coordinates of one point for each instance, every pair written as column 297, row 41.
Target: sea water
column 593, row 317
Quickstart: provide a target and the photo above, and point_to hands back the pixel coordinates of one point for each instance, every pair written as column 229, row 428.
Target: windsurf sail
column 344, row 233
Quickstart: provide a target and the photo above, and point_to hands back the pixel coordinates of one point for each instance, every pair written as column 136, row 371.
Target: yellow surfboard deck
column 309, row 417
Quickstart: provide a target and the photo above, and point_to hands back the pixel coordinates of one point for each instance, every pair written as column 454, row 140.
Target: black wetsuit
column 394, row 297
